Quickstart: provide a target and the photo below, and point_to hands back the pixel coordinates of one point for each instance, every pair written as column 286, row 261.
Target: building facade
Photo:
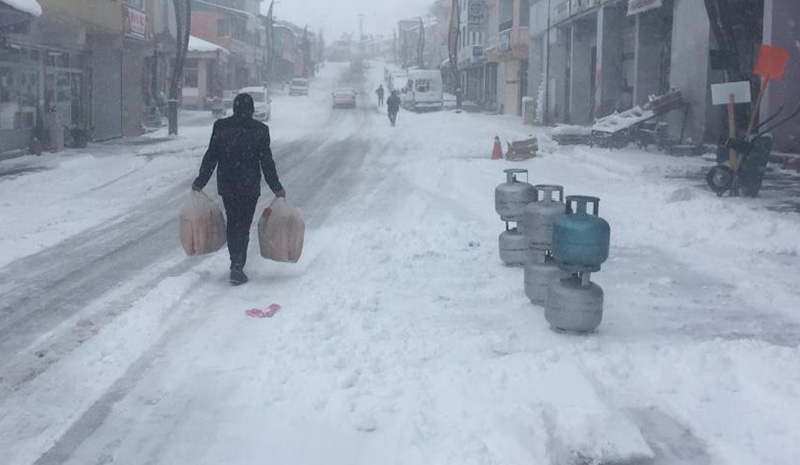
column 93, row 65
column 589, row 58
column 236, row 26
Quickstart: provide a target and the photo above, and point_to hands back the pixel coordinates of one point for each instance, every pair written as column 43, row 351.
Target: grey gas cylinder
column 539, row 277
column 511, row 197
column 513, row 247
column 540, row 216
column 574, row 305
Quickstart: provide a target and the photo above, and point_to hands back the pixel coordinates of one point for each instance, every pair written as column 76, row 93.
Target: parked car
column 298, row 86
column 344, row 97
column 262, row 101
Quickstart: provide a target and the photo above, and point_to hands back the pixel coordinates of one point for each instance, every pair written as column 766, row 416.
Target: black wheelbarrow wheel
column 720, row 179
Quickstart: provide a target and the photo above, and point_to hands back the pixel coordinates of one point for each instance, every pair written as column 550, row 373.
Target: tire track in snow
column 43, row 290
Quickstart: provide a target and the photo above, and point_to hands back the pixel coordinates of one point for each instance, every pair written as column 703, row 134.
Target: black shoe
column 238, row 277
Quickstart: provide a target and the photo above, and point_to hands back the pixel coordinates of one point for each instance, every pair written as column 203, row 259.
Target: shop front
column 20, row 90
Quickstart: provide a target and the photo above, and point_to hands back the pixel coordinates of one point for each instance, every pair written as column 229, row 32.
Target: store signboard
column 505, row 42
column 640, row 6
column 135, row 23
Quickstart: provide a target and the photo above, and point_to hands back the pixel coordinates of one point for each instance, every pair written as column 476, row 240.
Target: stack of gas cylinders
column 510, row 200
column 559, row 242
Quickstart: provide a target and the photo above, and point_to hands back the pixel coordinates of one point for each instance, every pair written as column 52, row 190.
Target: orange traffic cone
column 497, row 151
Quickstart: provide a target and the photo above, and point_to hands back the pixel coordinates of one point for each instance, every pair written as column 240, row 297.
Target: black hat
column 243, row 105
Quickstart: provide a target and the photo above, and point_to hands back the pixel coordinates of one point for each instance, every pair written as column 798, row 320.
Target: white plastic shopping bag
column 280, row 232
column 202, row 225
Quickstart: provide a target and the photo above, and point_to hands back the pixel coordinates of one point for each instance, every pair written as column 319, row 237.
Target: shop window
column 19, row 94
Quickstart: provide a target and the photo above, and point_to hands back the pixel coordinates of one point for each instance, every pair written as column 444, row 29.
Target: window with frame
column 19, row 96
column 190, row 73
column 239, row 29
column 424, row 85
column 139, row 4
column 223, row 28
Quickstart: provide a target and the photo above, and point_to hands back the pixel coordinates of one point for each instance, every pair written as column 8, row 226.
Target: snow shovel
column 771, row 66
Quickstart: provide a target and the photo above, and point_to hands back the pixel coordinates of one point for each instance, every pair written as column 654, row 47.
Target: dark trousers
column 393, row 117
column 239, row 212
column 380, row 100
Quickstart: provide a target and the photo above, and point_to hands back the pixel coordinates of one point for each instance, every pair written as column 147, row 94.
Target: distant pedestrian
column 393, row 102
column 380, row 93
column 239, row 150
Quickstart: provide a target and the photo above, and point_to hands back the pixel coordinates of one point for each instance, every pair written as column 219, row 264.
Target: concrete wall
column 581, row 73
column 511, row 97
column 204, row 26
column 608, row 76
column 557, row 87
column 100, row 16
column 133, row 54
column 647, row 64
column 691, row 41
column 782, row 28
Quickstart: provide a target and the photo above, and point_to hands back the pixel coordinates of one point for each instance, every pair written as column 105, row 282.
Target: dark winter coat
column 379, row 92
column 239, row 148
column 393, row 103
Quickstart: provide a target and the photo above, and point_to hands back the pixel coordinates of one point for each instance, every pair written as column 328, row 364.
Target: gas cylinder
column 574, row 305
column 539, row 277
column 511, row 197
column 513, row 247
column 581, row 240
column 540, row 215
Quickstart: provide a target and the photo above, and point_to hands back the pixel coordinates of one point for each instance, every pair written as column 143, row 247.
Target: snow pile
column 571, row 130
column 31, row 7
column 197, row 44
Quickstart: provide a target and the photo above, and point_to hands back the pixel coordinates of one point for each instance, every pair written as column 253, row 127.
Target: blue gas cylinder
column 581, row 240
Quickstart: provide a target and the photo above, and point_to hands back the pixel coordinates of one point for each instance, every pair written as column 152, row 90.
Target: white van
column 424, row 90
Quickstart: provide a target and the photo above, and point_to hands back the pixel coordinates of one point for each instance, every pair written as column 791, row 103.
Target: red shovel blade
column 772, row 62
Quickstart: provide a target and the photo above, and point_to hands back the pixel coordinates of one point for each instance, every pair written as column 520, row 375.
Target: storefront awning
column 30, row 7
column 197, row 44
column 640, row 6
column 16, row 12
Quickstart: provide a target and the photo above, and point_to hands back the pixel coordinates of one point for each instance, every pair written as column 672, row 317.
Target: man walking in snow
column 393, row 104
column 380, row 95
column 240, row 151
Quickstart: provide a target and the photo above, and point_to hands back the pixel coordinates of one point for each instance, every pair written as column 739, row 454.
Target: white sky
column 338, row 16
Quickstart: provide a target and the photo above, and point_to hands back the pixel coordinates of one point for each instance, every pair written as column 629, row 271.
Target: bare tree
column 183, row 22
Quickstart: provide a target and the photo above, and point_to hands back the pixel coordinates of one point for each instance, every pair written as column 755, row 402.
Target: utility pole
column 453, row 43
column 361, row 36
column 421, row 45
column 546, row 116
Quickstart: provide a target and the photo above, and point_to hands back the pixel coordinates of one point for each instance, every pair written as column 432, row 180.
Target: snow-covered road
column 401, row 339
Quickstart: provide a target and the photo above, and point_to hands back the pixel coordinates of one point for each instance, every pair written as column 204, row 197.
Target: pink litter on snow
column 268, row 313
